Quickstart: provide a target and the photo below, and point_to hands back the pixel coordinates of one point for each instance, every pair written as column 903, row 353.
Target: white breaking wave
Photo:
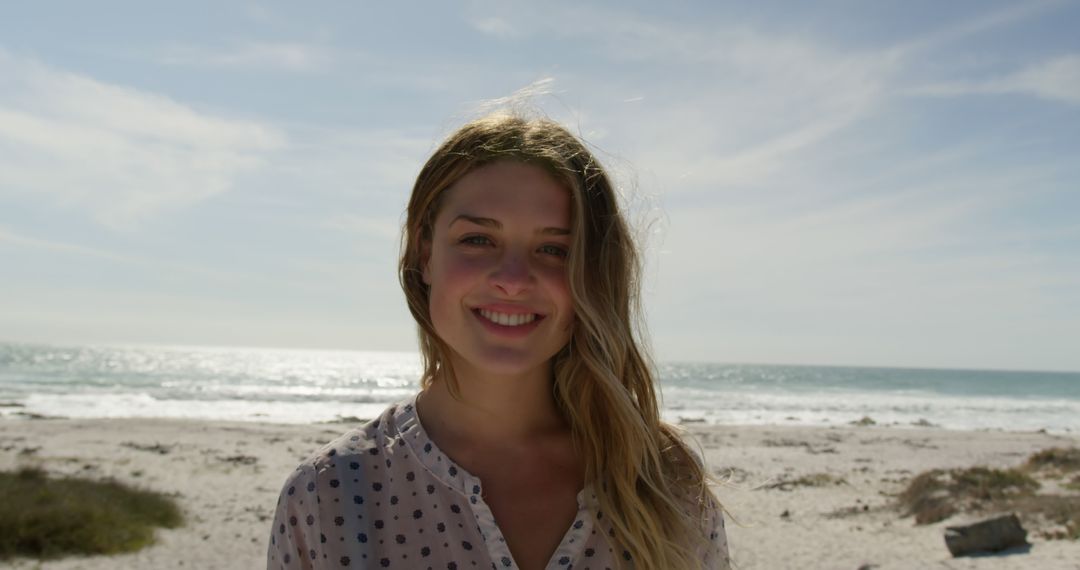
column 297, row 386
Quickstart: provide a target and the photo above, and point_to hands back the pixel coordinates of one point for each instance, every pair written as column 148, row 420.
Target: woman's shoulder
column 716, row 553
column 355, row 457
column 356, row 447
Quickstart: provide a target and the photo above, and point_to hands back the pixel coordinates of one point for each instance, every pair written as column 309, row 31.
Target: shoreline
column 14, row 411
column 226, row 475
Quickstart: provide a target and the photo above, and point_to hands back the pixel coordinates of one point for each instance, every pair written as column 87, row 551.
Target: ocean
column 300, row 386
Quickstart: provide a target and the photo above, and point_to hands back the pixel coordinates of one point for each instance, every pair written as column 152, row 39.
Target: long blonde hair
column 649, row 485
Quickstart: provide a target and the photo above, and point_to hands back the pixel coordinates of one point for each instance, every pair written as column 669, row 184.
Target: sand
column 227, row 476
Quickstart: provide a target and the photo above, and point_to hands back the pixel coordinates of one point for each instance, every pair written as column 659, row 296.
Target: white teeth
column 508, row 320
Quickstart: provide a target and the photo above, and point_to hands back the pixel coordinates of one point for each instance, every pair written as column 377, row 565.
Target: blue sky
column 865, row 183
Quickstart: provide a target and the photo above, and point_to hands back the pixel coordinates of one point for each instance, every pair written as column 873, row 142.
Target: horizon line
column 160, row 345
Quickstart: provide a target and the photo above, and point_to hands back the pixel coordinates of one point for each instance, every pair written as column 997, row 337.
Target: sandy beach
column 226, row 476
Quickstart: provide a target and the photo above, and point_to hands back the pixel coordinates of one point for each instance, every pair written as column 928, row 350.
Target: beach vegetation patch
column 1057, row 461
column 938, row 494
column 819, row 480
column 47, row 517
column 809, row 447
column 810, row 480
column 1057, row 516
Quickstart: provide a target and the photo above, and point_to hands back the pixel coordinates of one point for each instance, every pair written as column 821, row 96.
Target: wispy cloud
column 801, row 217
column 1057, row 79
column 989, row 20
column 751, row 101
column 11, row 238
column 764, row 102
column 122, row 154
column 739, row 101
column 493, row 26
column 287, row 56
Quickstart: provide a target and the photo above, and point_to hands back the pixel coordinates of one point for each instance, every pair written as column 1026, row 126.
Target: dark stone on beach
column 36, row 416
column 345, row 420
column 156, row 448
column 990, row 535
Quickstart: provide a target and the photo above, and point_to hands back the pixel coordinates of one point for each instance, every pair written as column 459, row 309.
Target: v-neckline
column 451, row 474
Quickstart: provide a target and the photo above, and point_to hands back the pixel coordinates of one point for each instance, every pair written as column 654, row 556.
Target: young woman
column 535, row 441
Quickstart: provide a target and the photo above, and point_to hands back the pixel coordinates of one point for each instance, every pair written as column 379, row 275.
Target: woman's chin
column 510, row 362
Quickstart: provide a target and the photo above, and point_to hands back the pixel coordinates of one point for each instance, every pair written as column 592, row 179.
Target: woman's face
column 496, row 267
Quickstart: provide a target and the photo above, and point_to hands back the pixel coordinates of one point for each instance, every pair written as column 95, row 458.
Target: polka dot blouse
column 384, row 496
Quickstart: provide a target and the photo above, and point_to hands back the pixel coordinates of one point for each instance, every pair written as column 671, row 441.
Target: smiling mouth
column 507, row 319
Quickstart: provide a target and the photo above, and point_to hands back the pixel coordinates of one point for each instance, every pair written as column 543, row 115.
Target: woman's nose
column 512, row 274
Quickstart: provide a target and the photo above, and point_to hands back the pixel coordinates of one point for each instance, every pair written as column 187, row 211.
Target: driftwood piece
column 990, row 535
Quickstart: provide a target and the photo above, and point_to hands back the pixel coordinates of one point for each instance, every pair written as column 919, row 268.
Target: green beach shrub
column 49, row 517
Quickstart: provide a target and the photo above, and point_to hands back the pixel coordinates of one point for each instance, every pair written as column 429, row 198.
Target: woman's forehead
column 522, row 192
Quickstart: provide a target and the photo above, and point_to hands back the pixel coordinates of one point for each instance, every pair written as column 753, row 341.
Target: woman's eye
column 554, row 250
column 475, row 240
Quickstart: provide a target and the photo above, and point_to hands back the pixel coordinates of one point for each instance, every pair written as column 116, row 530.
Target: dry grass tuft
column 1058, row 516
column 810, row 480
column 936, row 495
column 1056, row 461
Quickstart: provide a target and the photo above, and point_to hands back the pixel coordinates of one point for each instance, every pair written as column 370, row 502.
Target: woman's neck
column 491, row 409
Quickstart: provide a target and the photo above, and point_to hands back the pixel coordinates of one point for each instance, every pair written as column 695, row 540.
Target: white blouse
column 384, row 496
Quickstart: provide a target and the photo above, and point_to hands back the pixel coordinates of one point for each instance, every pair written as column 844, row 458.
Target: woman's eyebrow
column 496, row 224
column 486, row 222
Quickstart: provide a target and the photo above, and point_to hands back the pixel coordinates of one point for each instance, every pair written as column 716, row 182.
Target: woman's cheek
column 463, row 268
